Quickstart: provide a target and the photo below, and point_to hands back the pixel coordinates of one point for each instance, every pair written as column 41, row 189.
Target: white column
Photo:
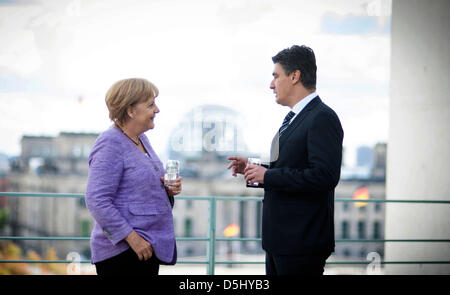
column 418, row 157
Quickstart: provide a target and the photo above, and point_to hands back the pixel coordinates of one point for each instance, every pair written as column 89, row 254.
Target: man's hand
column 140, row 246
column 238, row 164
column 254, row 173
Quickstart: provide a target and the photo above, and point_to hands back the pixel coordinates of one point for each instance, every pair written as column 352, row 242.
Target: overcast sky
column 196, row 52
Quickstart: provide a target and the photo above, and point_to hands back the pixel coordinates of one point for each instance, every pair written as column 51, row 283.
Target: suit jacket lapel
column 300, row 117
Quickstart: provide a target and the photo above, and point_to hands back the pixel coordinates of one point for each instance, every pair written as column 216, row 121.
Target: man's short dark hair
column 299, row 58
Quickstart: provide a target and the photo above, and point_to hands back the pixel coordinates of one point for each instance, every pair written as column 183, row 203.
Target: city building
column 50, row 165
column 379, row 163
column 370, row 164
column 202, row 141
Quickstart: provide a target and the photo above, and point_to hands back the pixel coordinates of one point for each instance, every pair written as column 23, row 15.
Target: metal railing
column 211, row 234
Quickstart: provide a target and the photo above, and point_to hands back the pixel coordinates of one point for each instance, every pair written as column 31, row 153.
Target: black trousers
column 295, row 264
column 128, row 263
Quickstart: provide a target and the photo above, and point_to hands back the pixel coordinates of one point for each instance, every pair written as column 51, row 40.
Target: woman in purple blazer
column 133, row 231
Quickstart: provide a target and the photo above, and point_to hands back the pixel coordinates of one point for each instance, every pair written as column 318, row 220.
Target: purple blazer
column 124, row 192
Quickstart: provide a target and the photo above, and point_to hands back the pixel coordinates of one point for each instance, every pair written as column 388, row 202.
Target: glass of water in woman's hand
column 172, row 172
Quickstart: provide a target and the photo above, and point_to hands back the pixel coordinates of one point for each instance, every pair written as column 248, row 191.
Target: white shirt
column 302, row 104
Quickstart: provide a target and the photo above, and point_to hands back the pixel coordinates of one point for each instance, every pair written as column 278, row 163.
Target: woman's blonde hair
column 126, row 93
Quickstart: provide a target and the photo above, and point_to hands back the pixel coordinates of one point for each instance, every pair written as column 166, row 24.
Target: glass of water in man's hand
column 172, row 172
column 253, row 161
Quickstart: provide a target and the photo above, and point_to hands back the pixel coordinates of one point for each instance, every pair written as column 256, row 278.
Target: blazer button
column 156, row 168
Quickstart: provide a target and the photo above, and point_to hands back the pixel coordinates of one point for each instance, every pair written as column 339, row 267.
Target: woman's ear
column 130, row 112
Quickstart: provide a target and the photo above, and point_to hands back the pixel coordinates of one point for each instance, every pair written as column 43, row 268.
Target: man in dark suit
column 299, row 183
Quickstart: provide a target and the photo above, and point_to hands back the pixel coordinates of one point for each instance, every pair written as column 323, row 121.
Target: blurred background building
column 202, row 141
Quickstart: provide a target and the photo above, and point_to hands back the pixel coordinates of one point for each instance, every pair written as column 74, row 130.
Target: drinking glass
column 172, row 172
column 253, row 161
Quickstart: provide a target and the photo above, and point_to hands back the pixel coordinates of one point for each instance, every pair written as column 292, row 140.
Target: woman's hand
column 174, row 188
column 140, row 246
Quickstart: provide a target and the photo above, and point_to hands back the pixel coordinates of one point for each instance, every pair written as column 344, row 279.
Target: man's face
column 281, row 85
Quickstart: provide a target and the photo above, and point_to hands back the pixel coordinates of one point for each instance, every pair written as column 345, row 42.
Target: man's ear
column 295, row 76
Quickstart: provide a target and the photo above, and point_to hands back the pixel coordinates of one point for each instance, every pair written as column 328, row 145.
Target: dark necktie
column 286, row 121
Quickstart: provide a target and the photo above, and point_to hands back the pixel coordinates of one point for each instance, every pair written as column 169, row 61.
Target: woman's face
column 144, row 114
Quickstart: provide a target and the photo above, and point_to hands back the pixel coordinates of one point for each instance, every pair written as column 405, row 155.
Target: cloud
column 18, row 53
column 196, row 52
